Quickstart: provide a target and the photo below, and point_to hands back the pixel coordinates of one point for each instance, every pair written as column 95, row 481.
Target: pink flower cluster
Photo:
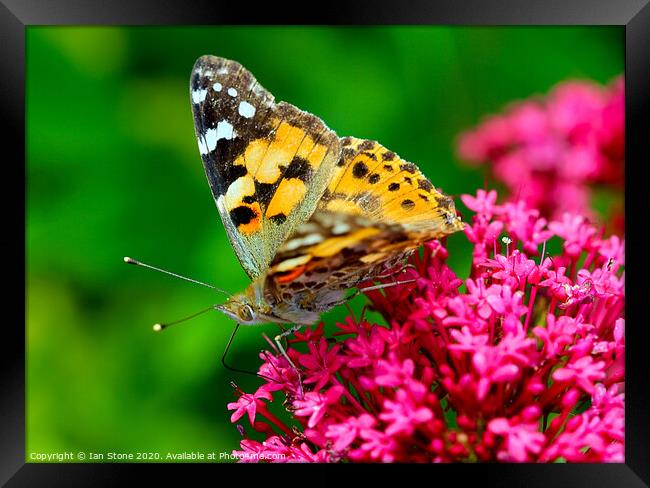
column 550, row 151
column 523, row 361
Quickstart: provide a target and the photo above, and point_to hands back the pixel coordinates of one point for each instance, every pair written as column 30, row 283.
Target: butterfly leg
column 350, row 311
column 377, row 287
column 237, row 370
column 401, row 270
column 363, row 310
column 278, row 341
column 383, row 285
column 363, row 313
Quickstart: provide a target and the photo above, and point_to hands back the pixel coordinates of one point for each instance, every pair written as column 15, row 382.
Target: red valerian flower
column 248, row 404
column 522, row 361
column 550, row 152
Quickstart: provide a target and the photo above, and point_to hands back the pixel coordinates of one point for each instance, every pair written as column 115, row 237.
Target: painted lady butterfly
column 310, row 215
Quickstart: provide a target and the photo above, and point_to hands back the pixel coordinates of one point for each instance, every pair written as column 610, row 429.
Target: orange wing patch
column 374, row 182
column 359, row 160
column 276, row 171
column 250, row 217
column 288, row 194
column 265, row 158
column 334, row 245
column 280, row 151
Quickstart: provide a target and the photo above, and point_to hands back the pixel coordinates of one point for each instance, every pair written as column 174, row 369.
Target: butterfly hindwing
column 376, row 210
column 331, row 253
column 372, row 181
column 267, row 164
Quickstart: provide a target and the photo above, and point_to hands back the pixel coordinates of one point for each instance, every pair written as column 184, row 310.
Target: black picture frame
column 633, row 15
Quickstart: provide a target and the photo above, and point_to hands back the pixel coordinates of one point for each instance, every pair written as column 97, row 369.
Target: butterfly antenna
column 135, row 262
column 161, row 327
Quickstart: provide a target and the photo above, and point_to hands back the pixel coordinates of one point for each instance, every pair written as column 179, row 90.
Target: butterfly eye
column 245, row 313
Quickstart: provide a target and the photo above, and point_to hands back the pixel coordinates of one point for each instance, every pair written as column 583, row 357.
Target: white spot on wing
column 341, row 228
column 289, row 264
column 224, row 130
column 246, row 110
column 210, row 139
column 232, row 92
column 309, row 227
column 221, row 204
column 217, row 86
column 199, row 95
column 203, row 149
column 304, row 241
column 241, row 187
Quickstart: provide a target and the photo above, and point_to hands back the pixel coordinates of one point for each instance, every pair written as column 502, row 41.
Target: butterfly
column 309, row 214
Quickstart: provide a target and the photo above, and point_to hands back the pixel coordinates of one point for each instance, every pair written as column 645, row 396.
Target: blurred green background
column 113, row 169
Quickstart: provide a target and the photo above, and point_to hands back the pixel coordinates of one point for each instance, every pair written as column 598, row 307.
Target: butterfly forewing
column 267, row 164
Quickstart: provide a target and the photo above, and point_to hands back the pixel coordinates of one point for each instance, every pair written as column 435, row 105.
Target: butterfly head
column 240, row 310
column 249, row 307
